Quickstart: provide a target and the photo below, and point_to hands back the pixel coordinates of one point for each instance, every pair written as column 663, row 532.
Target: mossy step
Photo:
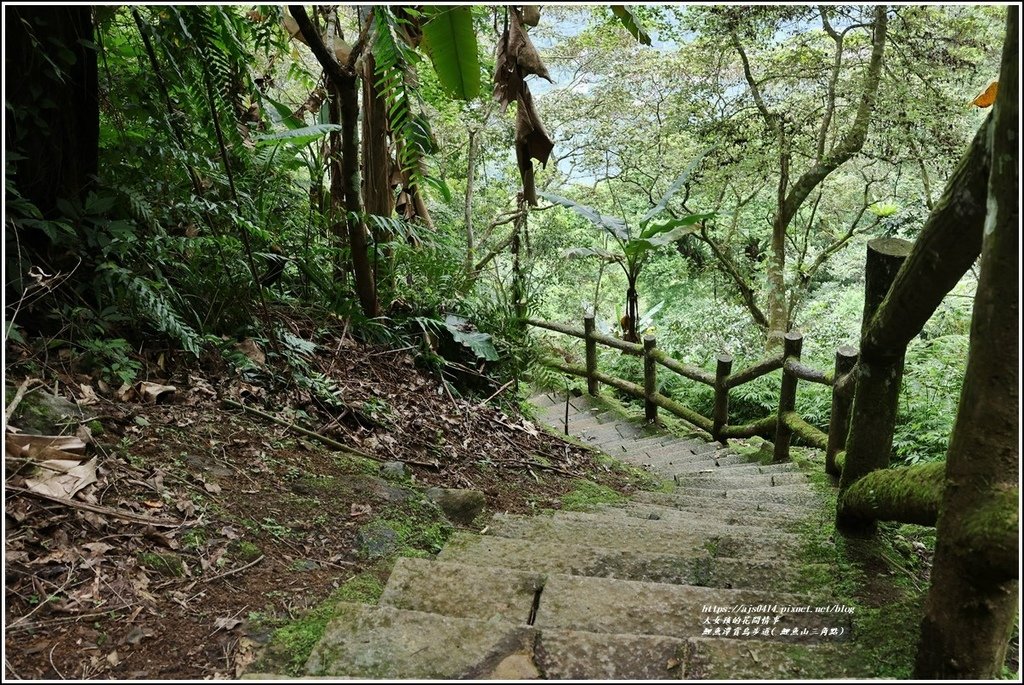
column 677, row 500
column 732, row 517
column 638, row 535
column 544, row 400
column 382, row 642
column 735, row 481
column 542, row 556
column 727, row 659
column 640, row 445
column 765, row 533
column 800, row 494
column 604, row 605
column 579, row 655
column 455, row 589
column 737, row 469
column 679, row 448
column 613, row 433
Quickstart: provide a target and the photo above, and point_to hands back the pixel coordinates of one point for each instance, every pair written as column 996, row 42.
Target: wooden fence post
column 721, row 413
column 839, row 420
column 650, row 380
column 879, row 377
column 787, row 396
column 591, row 345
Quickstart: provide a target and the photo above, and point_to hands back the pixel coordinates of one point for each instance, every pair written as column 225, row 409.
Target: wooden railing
column 778, row 427
column 865, row 385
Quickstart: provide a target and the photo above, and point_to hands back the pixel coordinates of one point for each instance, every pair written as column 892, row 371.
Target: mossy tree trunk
column 879, row 377
column 973, row 598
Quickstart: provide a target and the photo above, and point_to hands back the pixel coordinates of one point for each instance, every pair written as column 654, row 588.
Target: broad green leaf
column 672, row 235
column 300, row 136
column 285, row 112
column 466, row 334
column 450, row 40
column 674, row 188
column 632, row 24
column 576, row 252
column 615, row 226
column 439, row 185
column 656, row 228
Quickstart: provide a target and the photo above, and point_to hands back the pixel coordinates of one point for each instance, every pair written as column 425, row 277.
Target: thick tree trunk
column 973, row 598
column 879, row 378
column 376, row 160
column 54, row 124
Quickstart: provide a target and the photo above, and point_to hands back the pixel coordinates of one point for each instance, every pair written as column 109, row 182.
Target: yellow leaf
column 988, row 97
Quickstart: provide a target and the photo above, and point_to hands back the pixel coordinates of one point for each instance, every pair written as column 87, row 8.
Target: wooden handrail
column 637, row 391
column 756, row 370
column 807, row 432
column 691, row 372
column 764, row 427
column 807, row 373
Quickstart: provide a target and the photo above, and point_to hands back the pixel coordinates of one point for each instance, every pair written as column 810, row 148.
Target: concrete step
column 679, row 448
column 677, row 500
column 766, row 533
column 728, row 659
column 655, row 512
column 382, row 642
column 579, row 655
column 541, row 556
column 544, row 400
column 657, row 537
column 604, row 605
column 784, row 494
column 738, row 469
column 733, row 481
column 616, row 446
column 455, row 589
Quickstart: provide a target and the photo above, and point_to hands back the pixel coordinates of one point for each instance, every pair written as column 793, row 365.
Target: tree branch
column 770, row 118
column 854, row 139
column 746, row 292
column 830, row 98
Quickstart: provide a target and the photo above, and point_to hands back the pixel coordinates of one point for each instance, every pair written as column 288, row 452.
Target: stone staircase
column 703, row 581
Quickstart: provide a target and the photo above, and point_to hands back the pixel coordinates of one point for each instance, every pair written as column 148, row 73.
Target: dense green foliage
column 213, row 209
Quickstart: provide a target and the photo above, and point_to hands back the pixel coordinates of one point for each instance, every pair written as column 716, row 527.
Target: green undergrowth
column 417, row 528
column 292, row 643
column 882, row 579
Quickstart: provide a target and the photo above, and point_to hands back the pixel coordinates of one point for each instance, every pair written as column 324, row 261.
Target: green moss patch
column 291, row 645
column 587, row 495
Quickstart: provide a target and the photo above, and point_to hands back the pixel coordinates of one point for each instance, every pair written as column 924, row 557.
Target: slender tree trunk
column 973, row 598
column 470, row 172
column 362, row 268
column 778, row 312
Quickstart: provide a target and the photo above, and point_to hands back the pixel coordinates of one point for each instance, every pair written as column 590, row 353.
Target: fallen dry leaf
column 226, row 623
column 152, row 393
column 62, row 477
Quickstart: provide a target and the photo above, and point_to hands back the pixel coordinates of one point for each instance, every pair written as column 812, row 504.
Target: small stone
column 460, row 506
column 393, row 469
column 376, row 540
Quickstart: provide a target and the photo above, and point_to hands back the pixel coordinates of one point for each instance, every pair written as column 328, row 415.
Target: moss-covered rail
column 779, row 426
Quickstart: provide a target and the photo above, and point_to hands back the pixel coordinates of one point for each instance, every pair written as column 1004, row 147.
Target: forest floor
column 195, row 532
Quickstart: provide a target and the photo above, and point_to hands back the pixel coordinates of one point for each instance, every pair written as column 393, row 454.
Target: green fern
column 159, row 311
column 393, row 69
